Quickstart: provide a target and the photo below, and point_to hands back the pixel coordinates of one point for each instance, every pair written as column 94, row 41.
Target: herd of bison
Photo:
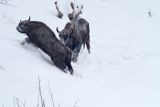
column 65, row 49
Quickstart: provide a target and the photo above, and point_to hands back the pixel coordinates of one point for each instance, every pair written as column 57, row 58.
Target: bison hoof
column 26, row 40
column 65, row 70
column 74, row 60
column 74, row 57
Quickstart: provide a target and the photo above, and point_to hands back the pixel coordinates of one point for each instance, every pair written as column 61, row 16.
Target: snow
column 121, row 71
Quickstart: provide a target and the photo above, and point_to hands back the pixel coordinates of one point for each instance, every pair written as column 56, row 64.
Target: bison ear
column 57, row 30
column 29, row 18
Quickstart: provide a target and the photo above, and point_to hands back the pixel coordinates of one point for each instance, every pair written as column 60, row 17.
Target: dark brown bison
column 44, row 38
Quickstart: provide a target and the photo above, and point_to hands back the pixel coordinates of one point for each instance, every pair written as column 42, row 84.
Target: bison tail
column 88, row 39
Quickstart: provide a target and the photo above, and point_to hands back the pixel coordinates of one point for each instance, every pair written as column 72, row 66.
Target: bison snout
column 19, row 29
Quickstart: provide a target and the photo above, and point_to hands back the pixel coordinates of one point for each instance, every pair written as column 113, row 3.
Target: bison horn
column 20, row 21
column 57, row 30
column 29, row 18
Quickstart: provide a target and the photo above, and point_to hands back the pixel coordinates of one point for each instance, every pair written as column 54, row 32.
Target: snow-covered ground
column 121, row 71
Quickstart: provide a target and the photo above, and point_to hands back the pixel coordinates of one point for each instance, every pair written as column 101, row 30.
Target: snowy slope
column 121, row 71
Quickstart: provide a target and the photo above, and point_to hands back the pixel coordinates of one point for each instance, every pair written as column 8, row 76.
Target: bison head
column 66, row 33
column 23, row 26
column 64, row 36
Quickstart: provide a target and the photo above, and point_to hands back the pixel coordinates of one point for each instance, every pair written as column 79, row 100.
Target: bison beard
column 44, row 38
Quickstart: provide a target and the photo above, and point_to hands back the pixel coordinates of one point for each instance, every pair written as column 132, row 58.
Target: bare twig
column 149, row 14
column 1, row 68
column 17, row 102
column 74, row 14
column 5, row 2
column 40, row 93
column 38, row 100
column 23, row 103
column 60, row 14
column 59, row 105
column 51, row 94
column 72, row 6
column 14, row 103
column 79, row 12
column 3, row 105
column 75, row 104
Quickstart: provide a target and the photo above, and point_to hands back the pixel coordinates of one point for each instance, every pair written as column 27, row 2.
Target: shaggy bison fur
column 75, row 34
column 44, row 38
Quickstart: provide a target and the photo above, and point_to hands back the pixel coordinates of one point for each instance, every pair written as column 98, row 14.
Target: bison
column 74, row 34
column 44, row 38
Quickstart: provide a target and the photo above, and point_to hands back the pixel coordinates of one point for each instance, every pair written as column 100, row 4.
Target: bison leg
column 59, row 62
column 88, row 46
column 76, row 51
column 74, row 56
column 26, row 40
column 68, row 64
column 70, row 69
